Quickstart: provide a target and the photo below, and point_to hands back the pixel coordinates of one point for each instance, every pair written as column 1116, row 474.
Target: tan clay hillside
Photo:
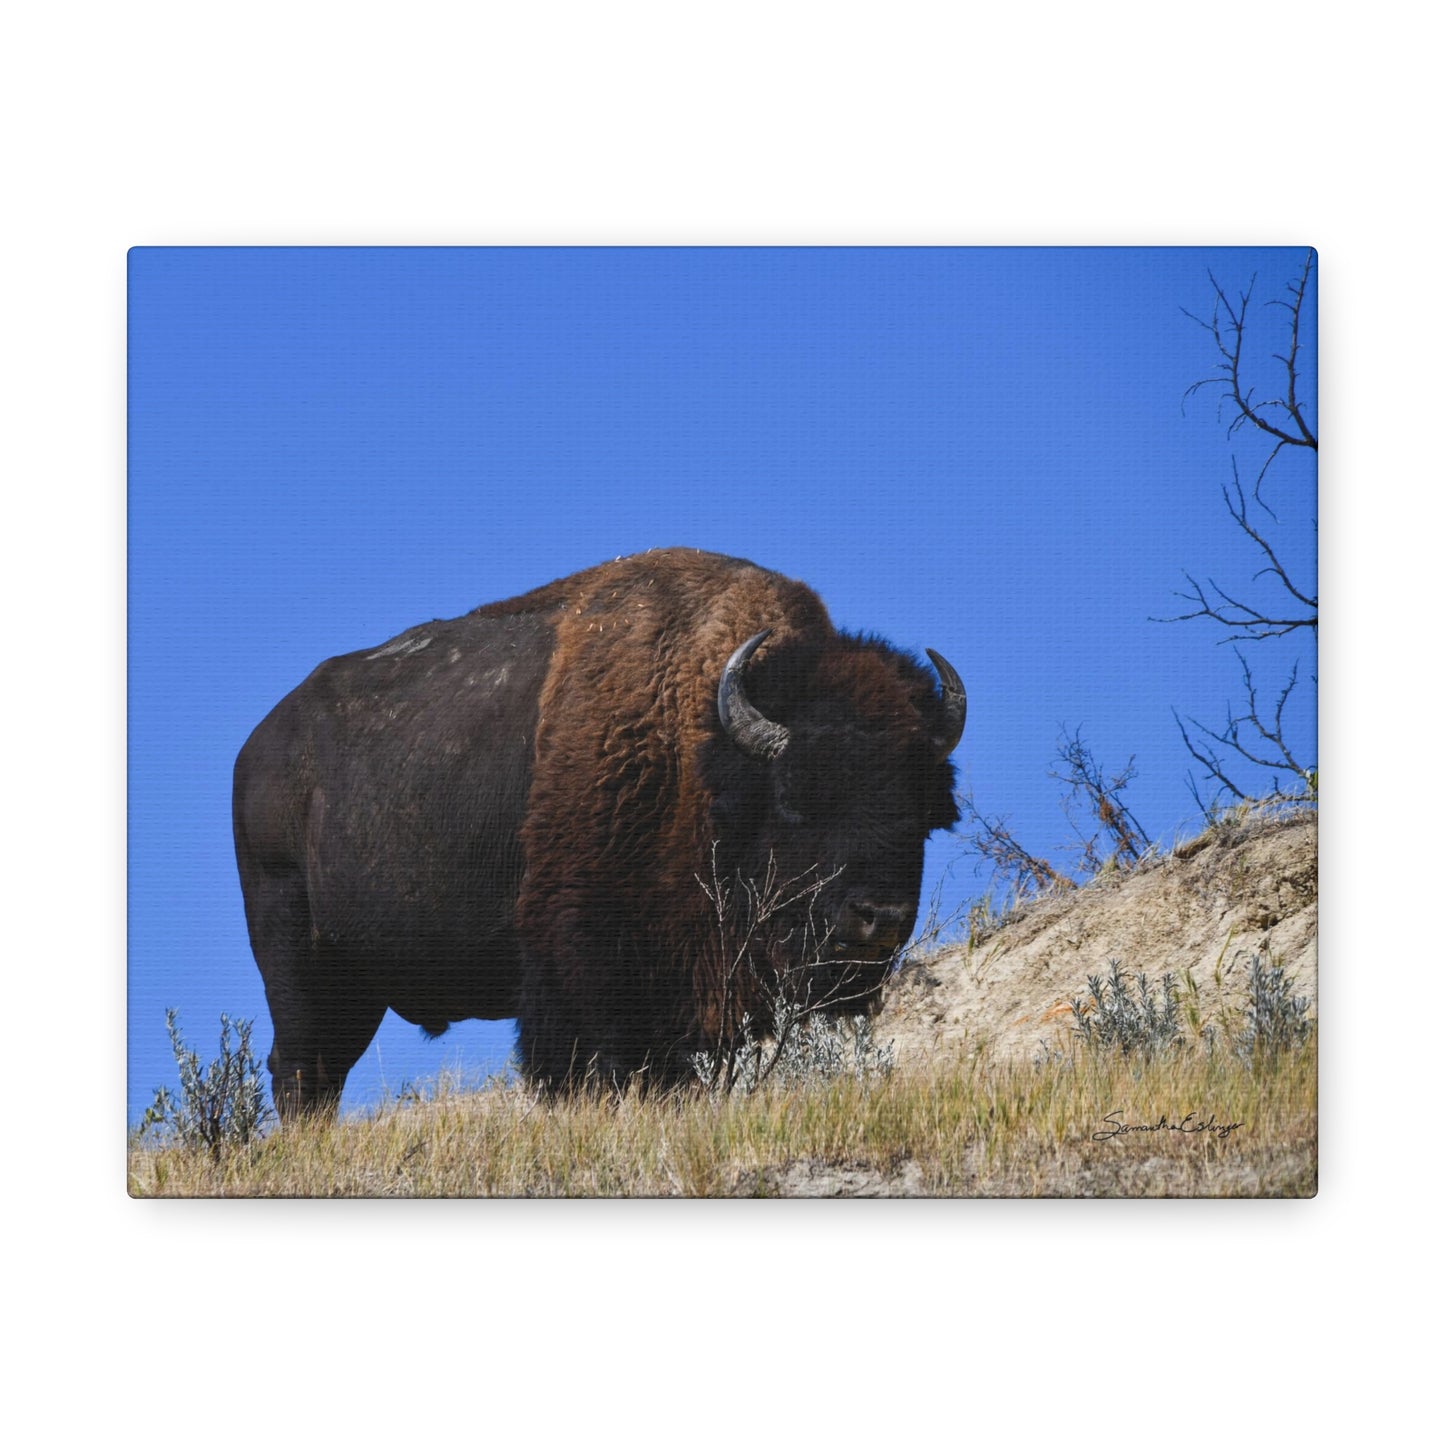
column 1206, row 910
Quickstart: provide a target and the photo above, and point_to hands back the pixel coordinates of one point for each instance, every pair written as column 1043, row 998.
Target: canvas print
column 722, row 722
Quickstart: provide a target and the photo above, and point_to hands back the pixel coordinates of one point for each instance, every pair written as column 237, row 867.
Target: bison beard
column 627, row 809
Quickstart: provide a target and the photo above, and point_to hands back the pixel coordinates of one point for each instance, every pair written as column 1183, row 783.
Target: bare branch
column 1255, row 737
column 1247, row 623
column 1297, row 290
column 1229, row 342
column 1122, row 841
column 814, row 980
column 1244, row 734
column 1012, row 863
column 1103, row 800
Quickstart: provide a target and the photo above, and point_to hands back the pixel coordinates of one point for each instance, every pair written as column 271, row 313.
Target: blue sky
column 983, row 451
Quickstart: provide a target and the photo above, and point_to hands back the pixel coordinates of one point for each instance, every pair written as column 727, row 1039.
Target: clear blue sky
column 981, row 451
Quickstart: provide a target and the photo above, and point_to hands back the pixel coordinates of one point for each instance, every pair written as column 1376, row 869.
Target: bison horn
column 955, row 703
column 745, row 725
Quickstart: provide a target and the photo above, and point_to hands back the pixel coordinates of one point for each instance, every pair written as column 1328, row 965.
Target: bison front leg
column 573, row 1031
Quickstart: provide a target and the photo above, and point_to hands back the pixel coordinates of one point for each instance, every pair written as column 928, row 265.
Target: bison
column 627, row 809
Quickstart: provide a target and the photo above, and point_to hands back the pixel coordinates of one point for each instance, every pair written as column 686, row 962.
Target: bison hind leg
column 325, row 1004
column 324, row 1018
column 315, row 1049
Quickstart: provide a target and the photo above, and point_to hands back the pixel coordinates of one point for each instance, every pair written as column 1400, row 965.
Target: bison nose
column 876, row 924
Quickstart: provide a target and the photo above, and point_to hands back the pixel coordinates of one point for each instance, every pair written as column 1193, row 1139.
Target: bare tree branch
column 1246, row 622
column 1247, row 744
column 1297, row 290
column 1229, row 341
column 1254, row 737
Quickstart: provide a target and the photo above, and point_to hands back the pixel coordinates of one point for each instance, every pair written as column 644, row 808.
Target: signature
column 1191, row 1123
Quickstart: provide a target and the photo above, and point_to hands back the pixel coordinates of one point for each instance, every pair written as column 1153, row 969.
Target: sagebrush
column 1146, row 1021
column 1149, row 1019
column 222, row 1104
column 804, row 1047
column 1275, row 1017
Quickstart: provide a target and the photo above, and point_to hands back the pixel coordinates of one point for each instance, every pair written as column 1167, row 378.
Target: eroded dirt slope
column 1207, row 910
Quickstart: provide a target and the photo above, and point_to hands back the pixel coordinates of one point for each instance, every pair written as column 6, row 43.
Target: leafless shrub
column 1107, row 834
column 1244, row 621
column 1015, row 869
column 1120, row 841
column 773, row 1019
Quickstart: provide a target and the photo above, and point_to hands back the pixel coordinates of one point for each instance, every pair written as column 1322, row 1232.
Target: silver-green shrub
column 221, row 1104
column 805, row 1047
column 1275, row 1017
column 1144, row 1022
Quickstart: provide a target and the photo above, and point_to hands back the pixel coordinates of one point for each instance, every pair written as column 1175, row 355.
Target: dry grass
column 967, row 1126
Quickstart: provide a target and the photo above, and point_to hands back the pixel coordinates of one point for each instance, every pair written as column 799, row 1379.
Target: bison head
column 830, row 770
